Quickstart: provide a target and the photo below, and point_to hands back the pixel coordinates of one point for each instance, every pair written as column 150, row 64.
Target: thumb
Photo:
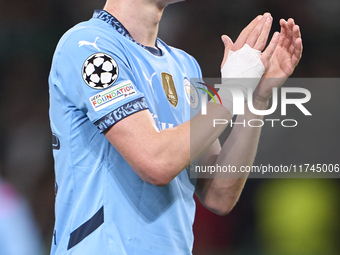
column 228, row 43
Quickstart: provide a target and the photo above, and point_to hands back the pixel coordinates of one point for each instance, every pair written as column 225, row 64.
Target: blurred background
column 273, row 216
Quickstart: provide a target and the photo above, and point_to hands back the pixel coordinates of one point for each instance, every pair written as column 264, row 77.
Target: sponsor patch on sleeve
column 112, row 95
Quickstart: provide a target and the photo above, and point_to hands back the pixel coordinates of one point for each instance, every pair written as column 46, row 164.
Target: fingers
column 255, row 34
column 290, row 40
column 297, row 52
column 228, row 43
column 268, row 53
column 242, row 38
column 259, row 36
column 297, row 45
column 287, row 34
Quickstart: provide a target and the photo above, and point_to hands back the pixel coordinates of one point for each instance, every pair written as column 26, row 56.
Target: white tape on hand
column 243, row 63
column 242, row 70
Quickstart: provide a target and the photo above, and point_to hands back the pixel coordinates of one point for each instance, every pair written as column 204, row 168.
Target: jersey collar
column 111, row 20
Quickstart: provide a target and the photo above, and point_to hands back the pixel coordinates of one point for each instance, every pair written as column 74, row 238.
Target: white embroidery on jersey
column 150, row 80
column 94, row 44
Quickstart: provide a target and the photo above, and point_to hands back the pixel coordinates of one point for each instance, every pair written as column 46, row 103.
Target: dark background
column 273, row 216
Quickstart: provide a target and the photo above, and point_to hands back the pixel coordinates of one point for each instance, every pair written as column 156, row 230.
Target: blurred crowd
column 274, row 217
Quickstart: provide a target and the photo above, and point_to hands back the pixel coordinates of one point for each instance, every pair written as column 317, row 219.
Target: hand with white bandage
column 244, row 63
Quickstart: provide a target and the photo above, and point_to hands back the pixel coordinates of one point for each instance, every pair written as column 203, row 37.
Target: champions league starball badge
column 100, row 71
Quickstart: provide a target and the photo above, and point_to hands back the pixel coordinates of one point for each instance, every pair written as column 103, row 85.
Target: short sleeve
column 92, row 71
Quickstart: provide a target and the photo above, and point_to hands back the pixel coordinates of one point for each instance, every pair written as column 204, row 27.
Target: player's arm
column 221, row 194
column 159, row 156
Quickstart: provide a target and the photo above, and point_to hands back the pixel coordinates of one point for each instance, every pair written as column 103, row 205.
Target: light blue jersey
column 100, row 76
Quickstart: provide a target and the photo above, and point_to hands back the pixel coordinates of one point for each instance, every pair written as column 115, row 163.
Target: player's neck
column 140, row 18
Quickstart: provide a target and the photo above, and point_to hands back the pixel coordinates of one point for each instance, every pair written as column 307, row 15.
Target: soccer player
column 120, row 104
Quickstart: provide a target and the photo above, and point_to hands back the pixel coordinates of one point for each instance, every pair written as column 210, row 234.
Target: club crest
column 191, row 93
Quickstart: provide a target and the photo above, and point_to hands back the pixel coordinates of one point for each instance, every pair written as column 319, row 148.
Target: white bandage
column 243, row 63
column 242, row 70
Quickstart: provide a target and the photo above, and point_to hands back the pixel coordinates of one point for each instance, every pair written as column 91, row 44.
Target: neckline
column 119, row 27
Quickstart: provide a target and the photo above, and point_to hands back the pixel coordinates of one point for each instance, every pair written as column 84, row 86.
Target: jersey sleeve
column 91, row 69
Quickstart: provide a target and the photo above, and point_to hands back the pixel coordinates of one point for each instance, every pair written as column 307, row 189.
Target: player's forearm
column 175, row 148
column 203, row 133
column 222, row 192
column 241, row 146
column 159, row 156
